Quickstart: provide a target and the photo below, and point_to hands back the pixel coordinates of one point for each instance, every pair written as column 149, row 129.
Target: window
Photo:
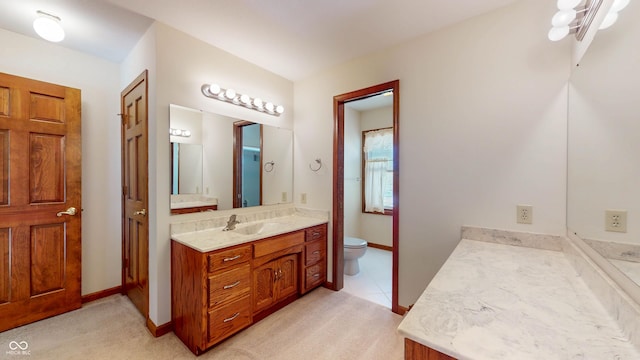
column 377, row 171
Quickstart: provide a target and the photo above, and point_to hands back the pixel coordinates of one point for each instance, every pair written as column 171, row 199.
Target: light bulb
column 568, row 4
column 48, row 27
column 618, row 5
column 279, row 109
column 214, row 89
column 257, row 102
column 558, row 33
column 245, row 99
column 269, row 106
column 609, row 20
column 230, row 94
column 563, row 18
column 186, row 133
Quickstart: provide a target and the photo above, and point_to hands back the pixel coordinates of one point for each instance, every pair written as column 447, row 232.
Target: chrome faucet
column 231, row 223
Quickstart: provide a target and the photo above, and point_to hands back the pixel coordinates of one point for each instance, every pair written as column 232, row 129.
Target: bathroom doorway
column 347, row 176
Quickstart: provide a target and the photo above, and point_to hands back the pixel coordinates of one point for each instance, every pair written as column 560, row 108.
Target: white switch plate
column 524, row 214
column 284, row 196
column 615, row 220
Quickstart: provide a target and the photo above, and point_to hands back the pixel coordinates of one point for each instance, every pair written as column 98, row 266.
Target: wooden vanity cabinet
column 210, row 294
column 216, row 294
column 315, row 257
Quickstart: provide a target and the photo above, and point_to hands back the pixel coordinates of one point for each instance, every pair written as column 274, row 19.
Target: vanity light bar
column 179, row 132
column 214, row 91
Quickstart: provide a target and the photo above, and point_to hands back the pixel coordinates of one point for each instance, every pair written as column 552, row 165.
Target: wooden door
column 287, row 276
column 263, row 285
column 40, row 200
column 135, row 226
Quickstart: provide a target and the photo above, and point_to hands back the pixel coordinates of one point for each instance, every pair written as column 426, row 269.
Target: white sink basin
column 257, row 228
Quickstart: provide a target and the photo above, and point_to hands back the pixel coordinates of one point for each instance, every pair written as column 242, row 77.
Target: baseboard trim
column 403, row 310
column 158, row 331
column 378, row 246
column 101, row 294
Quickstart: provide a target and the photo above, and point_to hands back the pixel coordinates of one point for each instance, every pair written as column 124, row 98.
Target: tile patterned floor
column 373, row 283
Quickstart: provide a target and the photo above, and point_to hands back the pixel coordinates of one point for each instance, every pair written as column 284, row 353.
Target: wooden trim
column 329, row 285
column 381, row 247
column 158, row 331
column 417, row 351
column 338, row 180
column 101, row 294
column 403, row 310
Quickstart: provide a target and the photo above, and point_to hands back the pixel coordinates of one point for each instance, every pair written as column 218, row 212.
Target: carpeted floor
column 321, row 325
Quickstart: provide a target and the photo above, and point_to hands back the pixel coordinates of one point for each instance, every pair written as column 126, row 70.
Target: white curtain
column 378, row 153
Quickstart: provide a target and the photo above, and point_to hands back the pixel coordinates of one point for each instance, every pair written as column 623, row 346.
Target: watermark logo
column 18, row 348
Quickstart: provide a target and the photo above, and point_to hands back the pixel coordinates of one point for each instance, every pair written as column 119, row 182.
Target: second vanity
column 224, row 281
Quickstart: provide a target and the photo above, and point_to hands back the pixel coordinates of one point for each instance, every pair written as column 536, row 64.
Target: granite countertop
column 492, row 301
column 215, row 239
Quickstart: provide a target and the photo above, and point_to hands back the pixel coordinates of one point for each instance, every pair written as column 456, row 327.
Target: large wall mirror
column 219, row 162
column 604, row 145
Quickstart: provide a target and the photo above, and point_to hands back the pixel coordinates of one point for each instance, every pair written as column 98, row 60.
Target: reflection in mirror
column 273, row 163
column 604, row 143
column 186, row 168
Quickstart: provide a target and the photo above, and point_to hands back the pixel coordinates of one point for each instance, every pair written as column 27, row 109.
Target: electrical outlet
column 615, row 220
column 284, row 196
column 524, row 214
column 303, row 198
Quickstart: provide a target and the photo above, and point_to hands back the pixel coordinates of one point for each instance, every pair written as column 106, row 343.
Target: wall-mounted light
column 572, row 18
column 48, row 27
column 179, row 132
column 214, row 91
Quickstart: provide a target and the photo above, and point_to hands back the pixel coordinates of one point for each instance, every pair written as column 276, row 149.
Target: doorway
column 135, row 194
column 247, row 164
column 339, row 181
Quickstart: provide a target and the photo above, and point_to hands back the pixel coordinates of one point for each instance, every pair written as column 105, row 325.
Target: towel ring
column 319, row 162
column 268, row 167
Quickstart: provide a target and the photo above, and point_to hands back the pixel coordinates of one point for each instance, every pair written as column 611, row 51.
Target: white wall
column 186, row 119
column 352, row 172
column 178, row 65
column 98, row 81
column 604, row 132
column 482, row 129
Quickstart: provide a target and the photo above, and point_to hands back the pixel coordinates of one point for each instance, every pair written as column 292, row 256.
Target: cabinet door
column 287, row 279
column 263, row 285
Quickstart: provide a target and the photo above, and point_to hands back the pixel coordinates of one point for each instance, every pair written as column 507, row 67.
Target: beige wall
column 482, row 129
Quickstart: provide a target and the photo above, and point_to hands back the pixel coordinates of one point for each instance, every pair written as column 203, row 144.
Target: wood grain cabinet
column 315, row 257
column 216, row 294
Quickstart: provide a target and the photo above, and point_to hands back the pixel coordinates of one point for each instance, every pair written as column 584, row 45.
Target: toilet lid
column 351, row 242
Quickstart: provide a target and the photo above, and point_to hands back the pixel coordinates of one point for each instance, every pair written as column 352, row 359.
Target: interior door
column 40, row 199
column 247, row 164
column 135, row 226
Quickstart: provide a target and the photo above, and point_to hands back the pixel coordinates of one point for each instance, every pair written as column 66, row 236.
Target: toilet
column 354, row 249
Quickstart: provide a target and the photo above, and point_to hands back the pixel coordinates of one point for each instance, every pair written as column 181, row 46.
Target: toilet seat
column 354, row 243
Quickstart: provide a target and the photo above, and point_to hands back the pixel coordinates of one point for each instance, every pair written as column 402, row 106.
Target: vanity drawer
column 278, row 243
column 224, row 259
column 314, row 251
column 315, row 275
column 316, row 232
column 229, row 319
column 229, row 285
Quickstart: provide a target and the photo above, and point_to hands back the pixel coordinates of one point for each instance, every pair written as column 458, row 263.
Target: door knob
column 70, row 211
column 142, row 212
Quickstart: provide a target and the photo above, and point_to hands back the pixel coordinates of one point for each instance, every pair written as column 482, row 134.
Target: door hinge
column 124, row 190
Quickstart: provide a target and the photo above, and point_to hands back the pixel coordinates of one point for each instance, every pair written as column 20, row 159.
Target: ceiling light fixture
column 48, row 27
column 214, row 91
column 179, row 132
column 572, row 18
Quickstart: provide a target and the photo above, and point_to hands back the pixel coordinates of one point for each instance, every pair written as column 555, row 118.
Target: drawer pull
column 231, row 286
column 231, row 318
column 232, row 258
column 316, row 275
column 317, row 252
column 315, row 234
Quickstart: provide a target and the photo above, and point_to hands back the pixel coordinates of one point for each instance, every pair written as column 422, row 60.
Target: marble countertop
column 492, row 301
column 215, row 239
column 190, row 204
